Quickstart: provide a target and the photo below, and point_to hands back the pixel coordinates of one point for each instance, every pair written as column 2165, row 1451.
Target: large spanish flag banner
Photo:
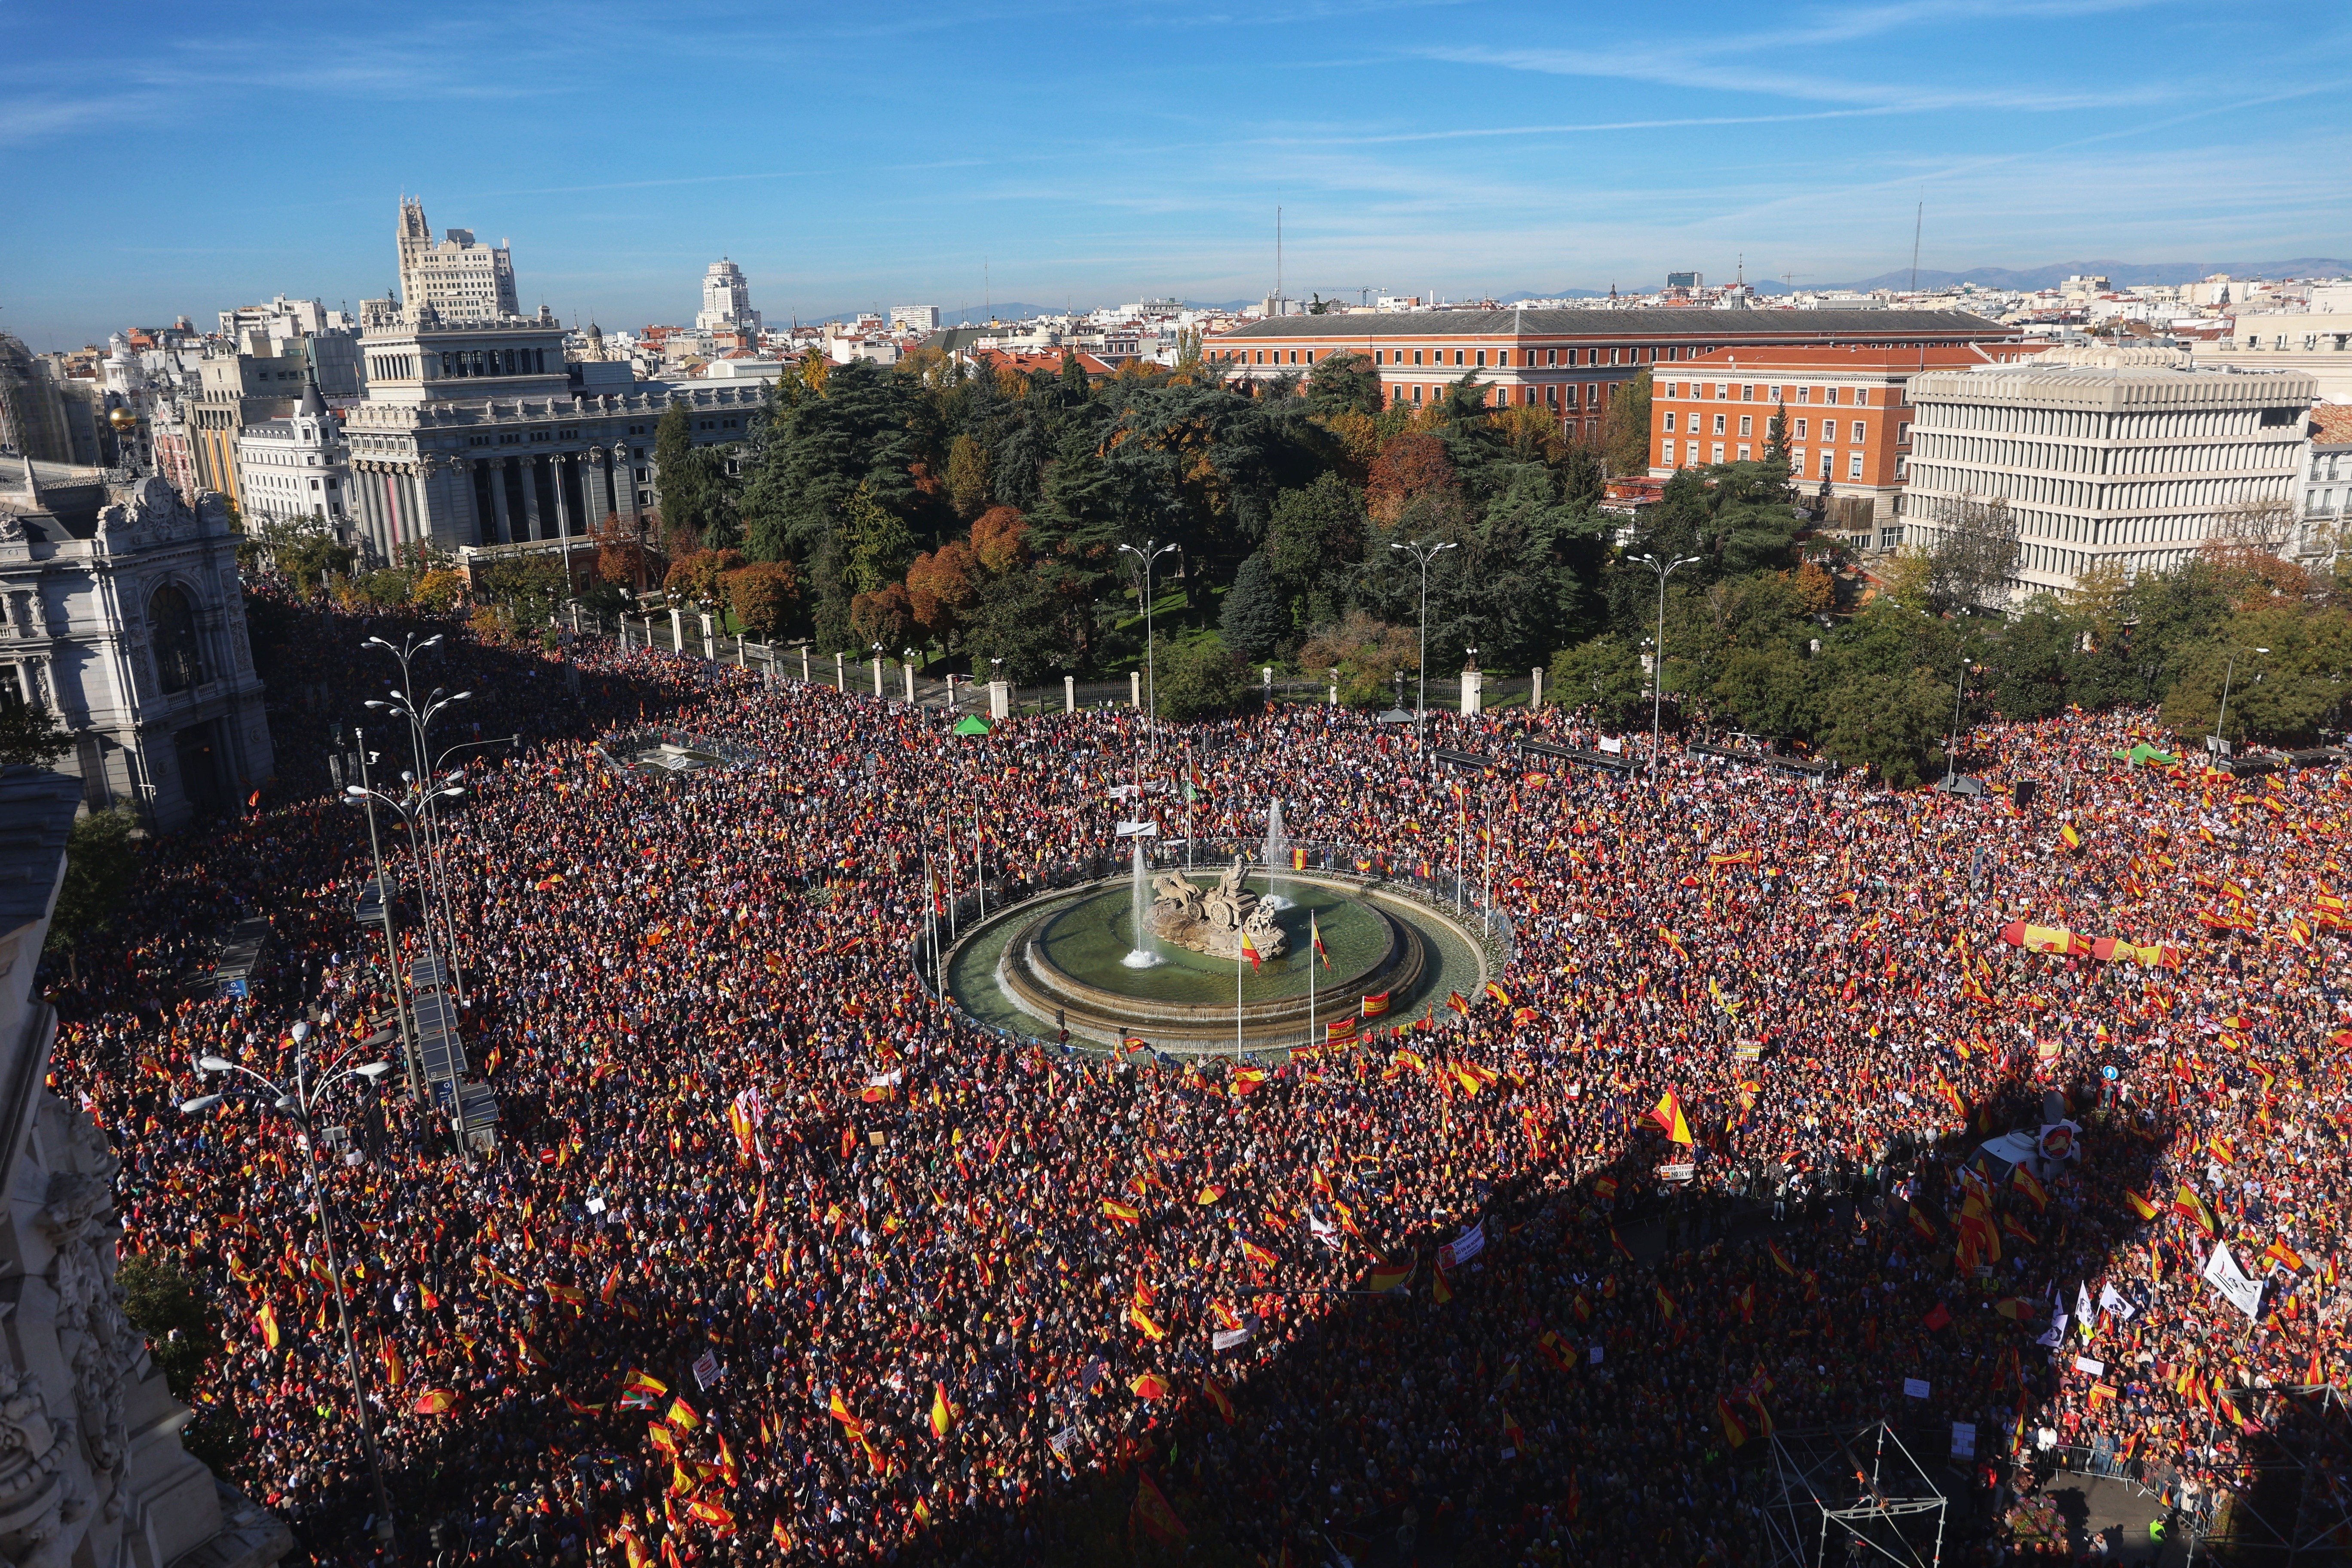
column 1339, row 1029
column 2055, row 940
column 1376, row 1005
column 1668, row 1114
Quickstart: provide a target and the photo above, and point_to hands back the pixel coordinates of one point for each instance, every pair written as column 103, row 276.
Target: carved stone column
column 530, row 467
column 499, row 467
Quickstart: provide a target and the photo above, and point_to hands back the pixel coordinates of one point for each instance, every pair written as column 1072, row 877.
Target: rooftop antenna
column 1917, row 220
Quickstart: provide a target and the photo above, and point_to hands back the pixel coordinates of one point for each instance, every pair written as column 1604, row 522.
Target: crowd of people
column 780, row 1258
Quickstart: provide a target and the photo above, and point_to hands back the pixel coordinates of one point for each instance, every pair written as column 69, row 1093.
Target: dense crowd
column 780, row 1260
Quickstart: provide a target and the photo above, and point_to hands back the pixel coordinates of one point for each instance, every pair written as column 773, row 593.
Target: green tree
column 1625, row 431
column 880, row 547
column 1314, row 544
column 1199, row 679
column 1344, row 382
column 1253, row 619
column 101, row 862
column 29, row 737
column 1603, row 675
column 1776, row 434
column 968, row 476
column 674, row 471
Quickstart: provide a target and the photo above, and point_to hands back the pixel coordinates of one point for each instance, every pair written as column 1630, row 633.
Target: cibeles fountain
column 1158, row 954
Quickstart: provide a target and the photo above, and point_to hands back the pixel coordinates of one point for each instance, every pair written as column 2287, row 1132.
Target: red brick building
column 1848, row 422
column 1570, row 361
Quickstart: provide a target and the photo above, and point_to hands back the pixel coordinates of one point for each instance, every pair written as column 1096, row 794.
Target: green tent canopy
column 2142, row 755
column 971, row 724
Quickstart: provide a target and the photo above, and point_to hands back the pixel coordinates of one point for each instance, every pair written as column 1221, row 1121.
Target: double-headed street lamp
column 1423, row 551
column 417, row 806
column 299, row 1104
column 1665, row 569
column 1153, row 551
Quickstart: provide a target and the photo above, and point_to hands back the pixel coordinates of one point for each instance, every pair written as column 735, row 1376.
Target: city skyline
column 1076, row 158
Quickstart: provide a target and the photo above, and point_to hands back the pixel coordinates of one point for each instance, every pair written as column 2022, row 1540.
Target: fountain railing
column 1425, row 878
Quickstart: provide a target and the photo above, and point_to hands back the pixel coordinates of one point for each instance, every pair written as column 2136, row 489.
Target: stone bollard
column 910, row 683
column 1472, row 680
column 677, row 629
column 1535, row 690
column 1135, row 689
column 1069, row 694
column 840, row 676
column 709, row 645
column 1000, row 699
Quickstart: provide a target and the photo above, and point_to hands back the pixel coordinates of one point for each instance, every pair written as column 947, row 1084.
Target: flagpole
column 1237, row 996
column 1312, row 938
column 947, row 826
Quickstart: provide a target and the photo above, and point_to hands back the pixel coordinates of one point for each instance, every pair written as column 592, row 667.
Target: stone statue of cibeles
column 1211, row 920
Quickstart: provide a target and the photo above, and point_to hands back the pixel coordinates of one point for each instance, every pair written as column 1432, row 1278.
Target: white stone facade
column 92, row 1474
column 123, row 613
column 2136, row 455
column 296, row 469
column 459, row 277
column 725, row 301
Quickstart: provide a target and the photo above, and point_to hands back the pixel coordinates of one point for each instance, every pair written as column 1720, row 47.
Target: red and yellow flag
column 1668, row 1114
column 943, row 1414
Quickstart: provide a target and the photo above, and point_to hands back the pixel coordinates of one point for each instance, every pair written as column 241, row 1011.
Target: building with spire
column 727, row 302
column 459, row 276
column 480, row 432
column 297, row 468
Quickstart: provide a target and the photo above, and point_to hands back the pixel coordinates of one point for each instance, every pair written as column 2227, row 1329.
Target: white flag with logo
column 2222, row 1272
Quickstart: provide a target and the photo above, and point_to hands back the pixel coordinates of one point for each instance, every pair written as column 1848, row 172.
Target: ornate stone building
column 477, row 431
column 122, row 612
column 92, row 1474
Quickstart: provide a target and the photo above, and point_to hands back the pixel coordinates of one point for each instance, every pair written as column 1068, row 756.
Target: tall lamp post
column 1665, row 569
column 2221, row 722
column 367, row 798
column 420, row 798
column 1423, row 551
column 1153, row 551
column 299, row 1104
column 420, row 718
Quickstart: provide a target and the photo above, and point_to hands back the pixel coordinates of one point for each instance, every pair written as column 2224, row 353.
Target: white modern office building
column 2136, row 456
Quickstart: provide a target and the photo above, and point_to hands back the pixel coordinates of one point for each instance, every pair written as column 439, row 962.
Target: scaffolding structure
column 1856, row 1490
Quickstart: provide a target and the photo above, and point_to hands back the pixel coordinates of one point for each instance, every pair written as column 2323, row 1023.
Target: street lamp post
column 1153, row 551
column 2222, row 722
column 1658, row 653
column 368, row 797
column 298, row 1105
column 410, row 814
column 420, row 723
column 1423, row 551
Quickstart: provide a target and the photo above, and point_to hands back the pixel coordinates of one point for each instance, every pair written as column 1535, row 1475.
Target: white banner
column 1463, row 1247
column 1234, row 1339
column 2085, row 1365
column 2055, row 1335
column 1915, row 1388
column 1139, row 830
column 706, row 1369
column 2114, row 1300
column 1964, row 1439
column 2222, row 1272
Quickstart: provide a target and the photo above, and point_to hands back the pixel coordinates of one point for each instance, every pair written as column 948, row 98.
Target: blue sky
column 159, row 159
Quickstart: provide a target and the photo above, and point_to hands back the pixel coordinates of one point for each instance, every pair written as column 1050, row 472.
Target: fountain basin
column 1057, row 963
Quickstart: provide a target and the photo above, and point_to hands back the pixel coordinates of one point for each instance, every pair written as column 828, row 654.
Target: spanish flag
column 642, row 1382
column 1218, row 1397
column 1498, row 993
column 1781, row 1260
column 2140, row 1205
column 1668, row 1114
column 1257, row 1253
column 2068, row 837
column 1125, row 1213
column 1734, row 1431
column 1249, row 950
column 1142, row 1321
column 1461, row 1004
column 2280, row 1252
column 267, row 1317
column 943, row 1414
column 1389, row 1277
column 2024, row 1182
column 1298, row 860
column 1151, row 1511
column 1376, row 1005
column 1949, row 1095
column 1315, row 936
column 1245, row 1081
column 1339, row 1029
column 2189, row 1205
column 682, row 1415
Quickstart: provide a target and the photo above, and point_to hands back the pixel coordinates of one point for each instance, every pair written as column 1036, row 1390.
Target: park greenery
column 979, row 517
column 994, row 519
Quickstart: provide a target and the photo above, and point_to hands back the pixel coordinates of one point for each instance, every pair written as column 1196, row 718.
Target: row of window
column 1721, row 391
column 1798, row 428
column 1465, row 357
column 1696, row 456
column 462, row 362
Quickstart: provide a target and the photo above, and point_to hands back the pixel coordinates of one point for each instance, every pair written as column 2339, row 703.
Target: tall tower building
column 725, row 301
column 460, row 277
